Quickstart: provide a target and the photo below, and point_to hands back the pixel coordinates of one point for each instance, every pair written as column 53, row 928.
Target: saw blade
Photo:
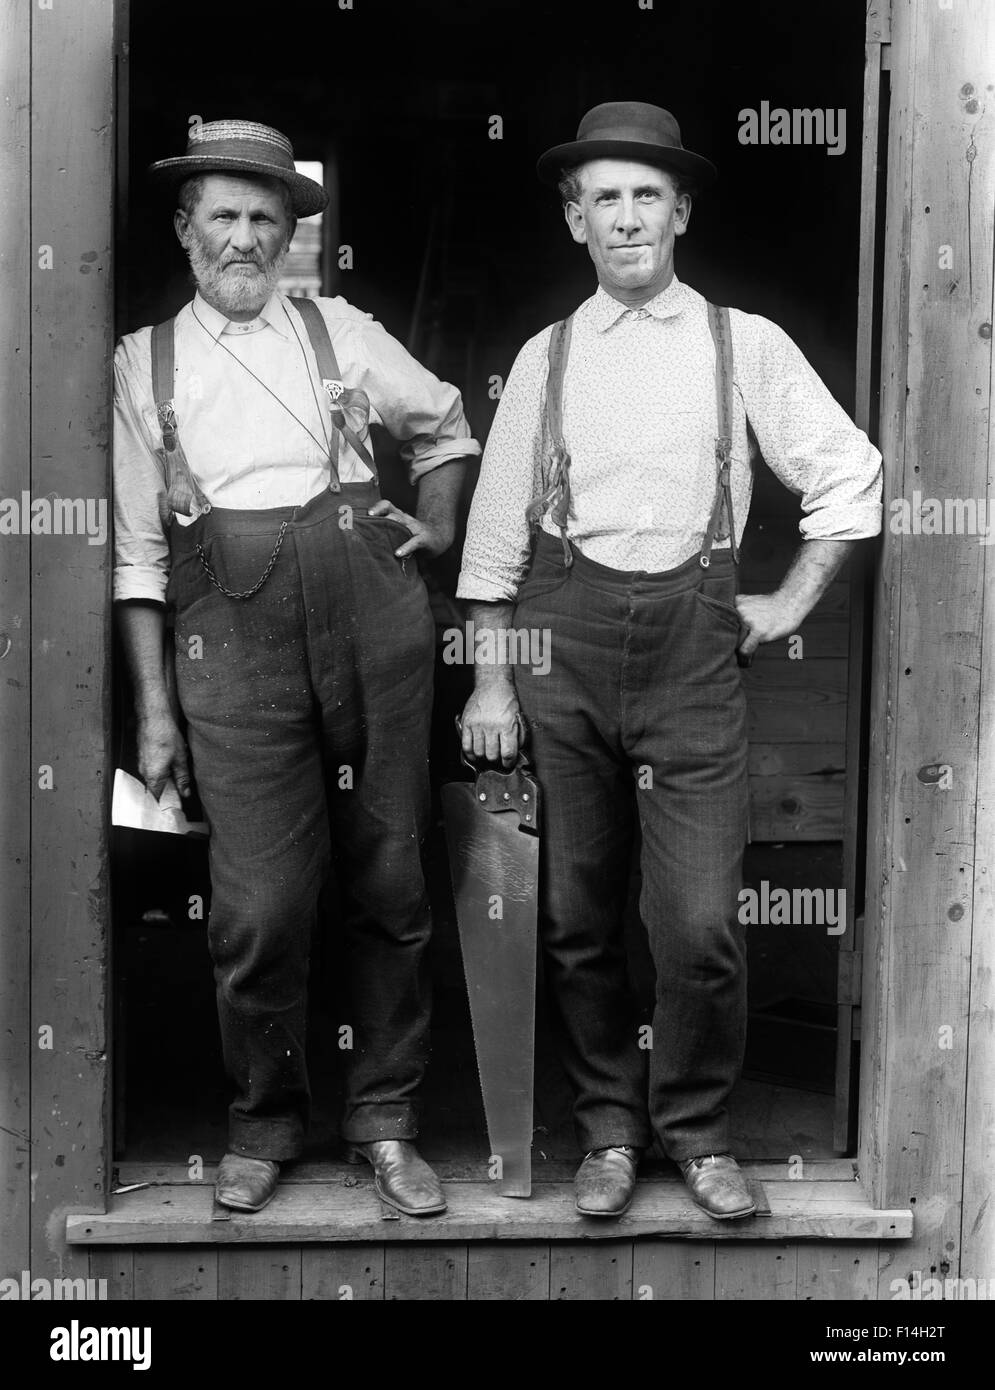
column 494, row 864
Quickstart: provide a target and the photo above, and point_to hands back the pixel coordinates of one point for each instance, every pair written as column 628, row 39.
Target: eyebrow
column 226, row 207
column 642, row 188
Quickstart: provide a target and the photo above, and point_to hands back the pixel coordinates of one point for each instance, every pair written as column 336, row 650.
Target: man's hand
column 492, row 722
column 431, row 536
column 767, row 617
column 162, row 754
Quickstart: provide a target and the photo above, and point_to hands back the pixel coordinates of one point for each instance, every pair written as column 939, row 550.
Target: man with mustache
column 626, row 435
column 247, row 505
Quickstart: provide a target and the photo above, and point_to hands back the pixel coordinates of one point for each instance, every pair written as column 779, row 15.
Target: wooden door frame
column 927, row 1132
column 56, row 301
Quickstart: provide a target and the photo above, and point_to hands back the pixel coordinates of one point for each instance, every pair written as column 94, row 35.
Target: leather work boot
column 606, row 1181
column 717, row 1185
column 401, row 1176
column 246, row 1184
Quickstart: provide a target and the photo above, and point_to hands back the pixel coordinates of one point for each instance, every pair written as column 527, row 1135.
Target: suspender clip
column 334, row 388
column 167, row 424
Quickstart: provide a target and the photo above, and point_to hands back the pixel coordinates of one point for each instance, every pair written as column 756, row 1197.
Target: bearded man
column 247, row 506
column 626, row 435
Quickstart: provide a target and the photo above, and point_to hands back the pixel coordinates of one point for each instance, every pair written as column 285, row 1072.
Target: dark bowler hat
column 243, row 147
column 627, row 130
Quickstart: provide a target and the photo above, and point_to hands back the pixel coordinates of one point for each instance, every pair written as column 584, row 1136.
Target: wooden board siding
column 796, row 706
column 929, row 907
column 72, row 163
column 15, row 653
column 608, row 1271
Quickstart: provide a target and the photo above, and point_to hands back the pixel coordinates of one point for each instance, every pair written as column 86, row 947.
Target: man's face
column 628, row 217
column 237, row 239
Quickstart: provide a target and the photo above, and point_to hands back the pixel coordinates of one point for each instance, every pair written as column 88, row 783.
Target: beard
column 233, row 284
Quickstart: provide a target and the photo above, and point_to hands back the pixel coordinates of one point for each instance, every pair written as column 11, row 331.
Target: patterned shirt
column 244, row 447
column 639, row 424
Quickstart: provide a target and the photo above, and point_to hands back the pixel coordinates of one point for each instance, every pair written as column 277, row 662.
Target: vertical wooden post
column 72, row 167
column 15, row 654
column 849, row 972
column 932, row 776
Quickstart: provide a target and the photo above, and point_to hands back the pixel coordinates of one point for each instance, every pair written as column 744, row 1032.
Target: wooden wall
column 55, row 304
column 518, row 1271
column 796, row 696
column 928, row 1040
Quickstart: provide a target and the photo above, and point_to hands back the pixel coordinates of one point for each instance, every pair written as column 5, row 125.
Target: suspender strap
column 555, row 496
column 182, row 489
column 331, row 380
column 718, row 323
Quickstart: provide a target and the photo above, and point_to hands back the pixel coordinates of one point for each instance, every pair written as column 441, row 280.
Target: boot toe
column 246, row 1184
column 717, row 1185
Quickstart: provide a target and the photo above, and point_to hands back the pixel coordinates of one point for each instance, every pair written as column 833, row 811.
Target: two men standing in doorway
column 612, row 497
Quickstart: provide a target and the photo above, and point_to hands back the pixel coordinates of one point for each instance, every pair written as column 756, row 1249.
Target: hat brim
column 550, row 166
column 306, row 196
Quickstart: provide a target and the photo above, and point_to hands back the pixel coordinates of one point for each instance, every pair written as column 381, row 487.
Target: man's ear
column 181, row 225
column 682, row 214
column 575, row 221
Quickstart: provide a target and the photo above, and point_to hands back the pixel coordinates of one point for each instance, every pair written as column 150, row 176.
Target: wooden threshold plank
column 331, row 1212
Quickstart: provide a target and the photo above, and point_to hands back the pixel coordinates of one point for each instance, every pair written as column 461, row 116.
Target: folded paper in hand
column 134, row 805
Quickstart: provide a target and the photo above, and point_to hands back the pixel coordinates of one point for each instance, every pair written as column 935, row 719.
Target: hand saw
column 492, row 830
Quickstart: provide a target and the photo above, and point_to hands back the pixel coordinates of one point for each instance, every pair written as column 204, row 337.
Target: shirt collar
column 605, row 312
column 272, row 314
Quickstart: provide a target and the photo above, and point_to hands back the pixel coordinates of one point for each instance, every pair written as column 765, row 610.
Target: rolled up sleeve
column 425, row 415
column 498, row 537
column 141, row 549
column 807, row 439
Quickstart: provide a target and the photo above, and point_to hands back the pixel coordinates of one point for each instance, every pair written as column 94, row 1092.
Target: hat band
column 241, row 149
column 638, row 135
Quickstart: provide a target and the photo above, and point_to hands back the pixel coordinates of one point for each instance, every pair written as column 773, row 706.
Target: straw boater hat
column 627, row 130
column 243, row 147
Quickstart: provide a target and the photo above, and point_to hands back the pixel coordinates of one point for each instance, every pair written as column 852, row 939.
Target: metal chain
column 245, row 593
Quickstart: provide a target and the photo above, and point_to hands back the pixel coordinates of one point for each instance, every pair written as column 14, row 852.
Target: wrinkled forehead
column 247, row 192
column 621, row 174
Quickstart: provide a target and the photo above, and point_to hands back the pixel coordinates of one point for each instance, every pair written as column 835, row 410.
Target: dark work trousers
column 642, row 713
column 308, row 708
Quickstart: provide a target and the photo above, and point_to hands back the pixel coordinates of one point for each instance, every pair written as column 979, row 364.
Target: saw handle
column 512, row 790
column 471, row 762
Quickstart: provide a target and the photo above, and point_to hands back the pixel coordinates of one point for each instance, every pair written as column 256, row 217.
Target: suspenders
column 182, row 491
column 718, row 322
column 555, row 496
column 183, row 494
column 335, row 388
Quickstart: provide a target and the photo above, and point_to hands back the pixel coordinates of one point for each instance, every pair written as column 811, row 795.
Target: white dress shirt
column 242, row 443
column 639, row 424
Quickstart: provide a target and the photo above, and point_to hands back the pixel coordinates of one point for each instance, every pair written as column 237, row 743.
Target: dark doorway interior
column 402, row 95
